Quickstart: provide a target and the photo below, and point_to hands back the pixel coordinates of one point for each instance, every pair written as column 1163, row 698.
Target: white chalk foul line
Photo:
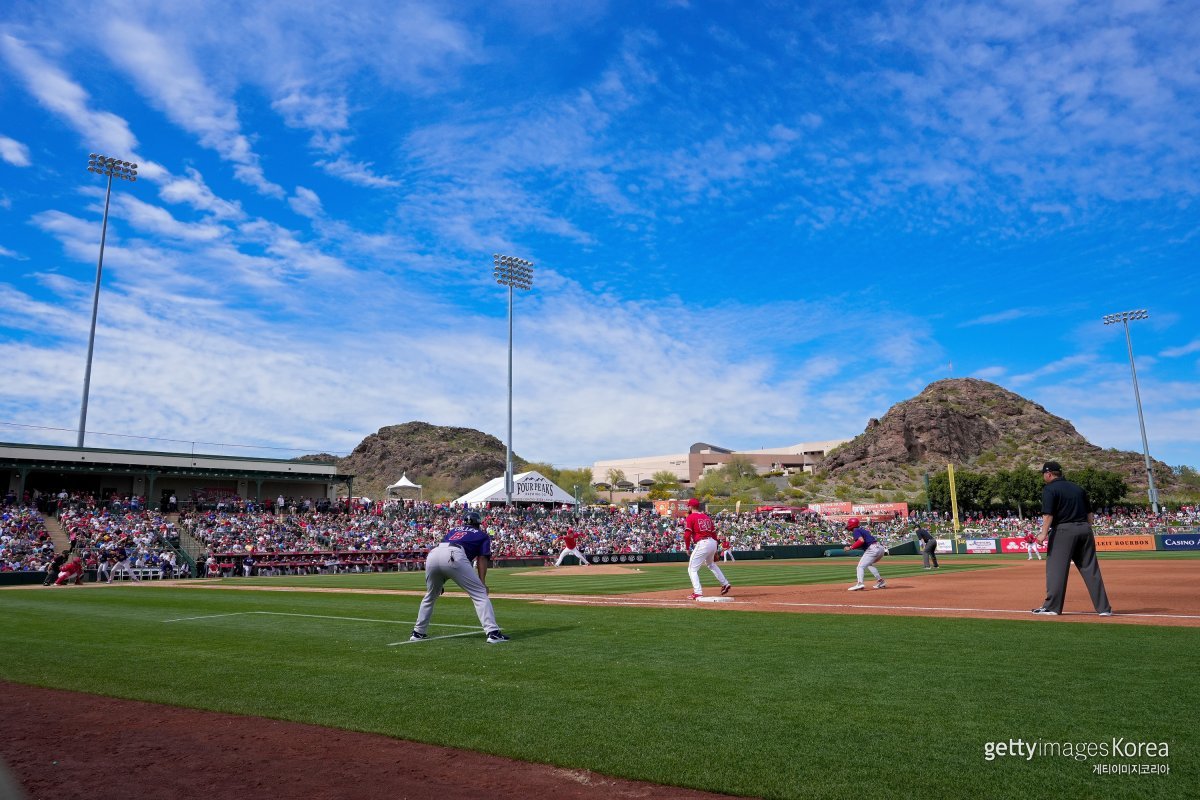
column 979, row 610
column 476, row 632
column 318, row 616
column 210, row 616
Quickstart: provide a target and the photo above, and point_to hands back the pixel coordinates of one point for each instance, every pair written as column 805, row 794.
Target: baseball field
column 941, row 685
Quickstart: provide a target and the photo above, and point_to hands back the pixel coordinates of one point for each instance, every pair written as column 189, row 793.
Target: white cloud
column 56, row 92
column 357, row 173
column 1053, row 368
column 170, row 78
column 14, row 152
column 194, row 192
column 1000, row 316
column 1183, row 350
column 306, row 203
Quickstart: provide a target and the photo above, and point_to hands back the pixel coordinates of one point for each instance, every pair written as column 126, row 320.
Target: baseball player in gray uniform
column 451, row 560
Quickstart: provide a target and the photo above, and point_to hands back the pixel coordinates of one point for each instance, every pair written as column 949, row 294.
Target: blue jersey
column 865, row 535
column 473, row 542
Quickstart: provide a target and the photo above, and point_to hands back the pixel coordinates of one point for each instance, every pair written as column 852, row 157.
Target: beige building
column 702, row 457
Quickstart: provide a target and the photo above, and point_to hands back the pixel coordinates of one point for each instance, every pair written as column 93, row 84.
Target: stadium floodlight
column 122, row 170
column 515, row 273
column 1125, row 317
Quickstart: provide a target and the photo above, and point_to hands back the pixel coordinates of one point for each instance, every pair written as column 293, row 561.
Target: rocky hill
column 443, row 460
column 979, row 426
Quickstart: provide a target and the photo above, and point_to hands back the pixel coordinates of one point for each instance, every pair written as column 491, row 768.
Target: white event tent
column 403, row 483
column 528, row 487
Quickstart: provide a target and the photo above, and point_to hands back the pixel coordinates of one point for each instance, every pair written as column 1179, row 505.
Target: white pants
column 1033, row 551
column 704, row 555
column 873, row 554
column 570, row 552
column 447, row 562
column 727, row 555
column 123, row 566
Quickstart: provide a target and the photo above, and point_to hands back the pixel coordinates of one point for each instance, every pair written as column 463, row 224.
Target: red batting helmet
column 693, row 502
column 852, row 524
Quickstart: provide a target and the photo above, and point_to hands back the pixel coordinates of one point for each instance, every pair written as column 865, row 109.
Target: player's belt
column 459, row 546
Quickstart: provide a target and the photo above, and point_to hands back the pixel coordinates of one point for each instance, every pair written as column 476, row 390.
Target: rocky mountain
column 442, row 459
column 979, row 426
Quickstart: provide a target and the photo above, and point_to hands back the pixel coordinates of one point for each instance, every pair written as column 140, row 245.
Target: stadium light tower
column 515, row 273
column 113, row 168
column 1124, row 318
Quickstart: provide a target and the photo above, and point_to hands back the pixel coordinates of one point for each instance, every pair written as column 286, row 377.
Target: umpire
column 1067, row 524
column 928, row 548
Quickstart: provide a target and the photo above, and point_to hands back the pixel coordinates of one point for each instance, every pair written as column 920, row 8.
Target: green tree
column 1019, row 488
column 614, row 476
column 665, row 479
column 1104, row 487
column 974, row 490
column 939, row 491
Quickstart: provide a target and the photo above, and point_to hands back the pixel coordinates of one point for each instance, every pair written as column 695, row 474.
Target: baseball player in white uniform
column 699, row 529
column 873, row 550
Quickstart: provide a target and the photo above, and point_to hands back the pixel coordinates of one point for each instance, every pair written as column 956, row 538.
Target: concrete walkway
column 57, row 534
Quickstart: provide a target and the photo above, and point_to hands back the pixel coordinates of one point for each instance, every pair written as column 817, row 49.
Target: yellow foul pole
column 953, row 498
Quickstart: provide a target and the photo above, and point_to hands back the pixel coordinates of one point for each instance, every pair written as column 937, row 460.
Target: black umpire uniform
column 1067, row 525
column 928, row 548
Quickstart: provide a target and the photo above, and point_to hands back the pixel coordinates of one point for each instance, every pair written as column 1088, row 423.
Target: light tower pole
column 515, row 273
column 113, row 168
column 1124, row 318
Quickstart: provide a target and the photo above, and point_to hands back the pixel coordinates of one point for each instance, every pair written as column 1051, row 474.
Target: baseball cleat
column 725, row 589
column 496, row 637
column 1047, row 612
column 694, row 596
column 881, row 584
column 858, row 587
column 1106, row 613
column 416, row 636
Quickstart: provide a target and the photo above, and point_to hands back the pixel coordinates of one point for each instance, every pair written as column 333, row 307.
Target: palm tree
column 614, row 475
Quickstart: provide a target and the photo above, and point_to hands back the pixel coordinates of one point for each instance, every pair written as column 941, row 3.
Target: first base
column 715, row 599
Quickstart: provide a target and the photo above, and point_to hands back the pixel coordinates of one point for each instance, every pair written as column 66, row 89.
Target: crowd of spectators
column 398, row 533
column 118, row 530
column 25, row 544
column 409, row 530
column 1108, row 522
column 412, row 530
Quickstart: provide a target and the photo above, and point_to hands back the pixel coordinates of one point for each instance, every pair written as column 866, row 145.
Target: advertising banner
column 945, row 546
column 1012, row 544
column 881, row 509
column 1181, row 541
column 1110, row 543
column 981, row 545
column 671, row 508
column 829, row 509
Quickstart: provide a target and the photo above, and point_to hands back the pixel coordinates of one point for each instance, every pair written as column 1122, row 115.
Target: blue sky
column 752, row 223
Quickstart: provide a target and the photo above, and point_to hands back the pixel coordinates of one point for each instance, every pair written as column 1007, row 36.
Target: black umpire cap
column 1052, row 466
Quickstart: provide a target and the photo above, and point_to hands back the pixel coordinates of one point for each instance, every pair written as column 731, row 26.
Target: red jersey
column 569, row 540
column 697, row 526
column 1030, row 538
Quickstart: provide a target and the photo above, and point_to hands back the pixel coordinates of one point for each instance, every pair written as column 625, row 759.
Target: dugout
column 47, row 470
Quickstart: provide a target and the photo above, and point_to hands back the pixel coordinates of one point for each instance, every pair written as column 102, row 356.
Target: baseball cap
column 852, row 523
column 1051, row 466
column 693, row 502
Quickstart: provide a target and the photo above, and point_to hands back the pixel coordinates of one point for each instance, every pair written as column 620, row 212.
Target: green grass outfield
column 765, row 704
